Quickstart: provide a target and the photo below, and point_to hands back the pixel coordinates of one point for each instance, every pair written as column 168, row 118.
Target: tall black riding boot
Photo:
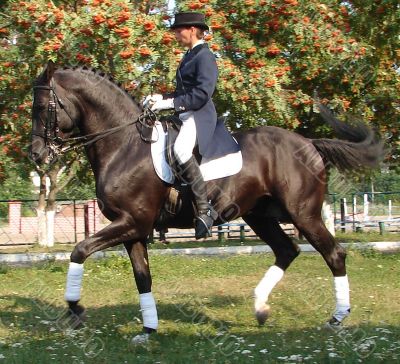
column 190, row 172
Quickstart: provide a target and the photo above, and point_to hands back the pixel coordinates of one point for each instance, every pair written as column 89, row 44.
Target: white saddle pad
column 225, row 166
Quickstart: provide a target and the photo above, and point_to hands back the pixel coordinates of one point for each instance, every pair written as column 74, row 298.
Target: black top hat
column 190, row 20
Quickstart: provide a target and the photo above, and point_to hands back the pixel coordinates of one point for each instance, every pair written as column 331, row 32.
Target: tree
column 274, row 57
column 97, row 33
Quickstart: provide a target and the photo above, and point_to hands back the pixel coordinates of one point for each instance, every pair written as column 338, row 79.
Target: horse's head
column 53, row 116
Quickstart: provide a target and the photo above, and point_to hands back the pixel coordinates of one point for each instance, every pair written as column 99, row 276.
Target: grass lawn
column 205, row 310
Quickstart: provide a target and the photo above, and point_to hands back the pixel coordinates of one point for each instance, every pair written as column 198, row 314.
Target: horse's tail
column 357, row 147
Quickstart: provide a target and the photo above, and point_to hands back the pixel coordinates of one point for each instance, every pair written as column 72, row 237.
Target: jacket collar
column 192, row 53
column 200, row 41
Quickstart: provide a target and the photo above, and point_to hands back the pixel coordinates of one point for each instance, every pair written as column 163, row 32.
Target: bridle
column 58, row 146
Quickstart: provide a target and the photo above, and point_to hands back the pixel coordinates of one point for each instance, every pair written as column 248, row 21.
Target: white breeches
column 186, row 140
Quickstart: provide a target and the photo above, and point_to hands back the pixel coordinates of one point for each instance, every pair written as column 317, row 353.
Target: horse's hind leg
column 285, row 251
column 315, row 231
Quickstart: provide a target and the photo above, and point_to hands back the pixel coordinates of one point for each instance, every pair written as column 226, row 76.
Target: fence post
column 86, row 220
column 221, row 237
column 334, row 207
column 342, row 215
column 242, row 234
column 366, row 205
column 354, row 211
column 14, row 217
column 381, row 227
column 90, row 218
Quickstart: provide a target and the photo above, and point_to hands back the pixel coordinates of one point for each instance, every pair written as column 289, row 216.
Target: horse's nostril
column 35, row 157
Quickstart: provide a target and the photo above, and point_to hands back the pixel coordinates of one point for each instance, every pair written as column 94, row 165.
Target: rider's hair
column 200, row 33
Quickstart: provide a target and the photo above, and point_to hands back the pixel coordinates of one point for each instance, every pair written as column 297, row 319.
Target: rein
column 87, row 140
column 56, row 144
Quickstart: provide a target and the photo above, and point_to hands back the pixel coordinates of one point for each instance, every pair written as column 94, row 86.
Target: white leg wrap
column 74, row 282
column 342, row 294
column 149, row 310
column 273, row 275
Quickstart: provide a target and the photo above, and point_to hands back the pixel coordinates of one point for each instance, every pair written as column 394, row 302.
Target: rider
column 196, row 79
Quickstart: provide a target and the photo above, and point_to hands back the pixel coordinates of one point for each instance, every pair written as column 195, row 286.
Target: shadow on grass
column 33, row 311
column 188, row 332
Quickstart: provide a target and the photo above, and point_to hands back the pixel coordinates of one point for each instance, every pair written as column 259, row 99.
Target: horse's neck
column 102, row 112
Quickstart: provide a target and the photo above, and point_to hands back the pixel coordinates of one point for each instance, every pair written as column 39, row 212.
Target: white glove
column 151, row 99
column 162, row 105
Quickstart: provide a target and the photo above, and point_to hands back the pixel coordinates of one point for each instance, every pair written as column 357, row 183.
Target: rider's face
column 186, row 36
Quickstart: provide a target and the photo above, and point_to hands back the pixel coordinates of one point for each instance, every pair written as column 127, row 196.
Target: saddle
column 180, row 195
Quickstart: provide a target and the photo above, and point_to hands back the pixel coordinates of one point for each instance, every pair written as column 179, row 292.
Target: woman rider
column 196, row 79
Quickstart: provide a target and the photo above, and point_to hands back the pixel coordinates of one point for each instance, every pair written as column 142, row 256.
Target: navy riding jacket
column 196, row 79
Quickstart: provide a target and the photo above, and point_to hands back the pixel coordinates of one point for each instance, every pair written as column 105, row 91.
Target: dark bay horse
column 283, row 179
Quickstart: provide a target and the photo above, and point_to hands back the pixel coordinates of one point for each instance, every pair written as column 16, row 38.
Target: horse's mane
column 102, row 77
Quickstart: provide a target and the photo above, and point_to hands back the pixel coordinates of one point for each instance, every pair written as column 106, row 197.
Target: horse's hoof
column 262, row 314
column 141, row 339
column 76, row 317
column 333, row 324
column 77, row 322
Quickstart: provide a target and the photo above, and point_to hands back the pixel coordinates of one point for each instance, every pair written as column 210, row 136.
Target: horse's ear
column 48, row 71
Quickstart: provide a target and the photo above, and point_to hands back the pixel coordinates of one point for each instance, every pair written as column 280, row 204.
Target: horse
column 283, row 178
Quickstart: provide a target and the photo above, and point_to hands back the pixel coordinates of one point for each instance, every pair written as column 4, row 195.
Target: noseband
column 58, row 145
column 50, row 125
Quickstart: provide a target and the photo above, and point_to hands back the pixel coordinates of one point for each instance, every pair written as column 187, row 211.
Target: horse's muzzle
column 38, row 152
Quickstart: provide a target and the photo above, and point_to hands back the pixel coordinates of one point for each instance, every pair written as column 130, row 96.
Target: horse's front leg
column 140, row 263
column 120, row 230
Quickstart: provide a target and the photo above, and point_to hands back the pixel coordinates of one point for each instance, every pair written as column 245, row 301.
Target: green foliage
column 277, row 55
column 4, row 269
column 81, row 185
column 15, row 183
column 381, row 181
column 387, row 181
column 82, row 190
column 274, row 57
